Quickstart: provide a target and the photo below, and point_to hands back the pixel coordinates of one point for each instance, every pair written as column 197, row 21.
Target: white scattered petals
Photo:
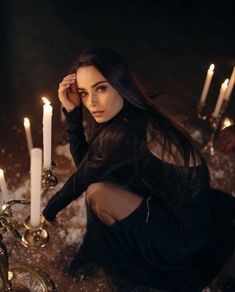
column 64, row 150
column 22, row 191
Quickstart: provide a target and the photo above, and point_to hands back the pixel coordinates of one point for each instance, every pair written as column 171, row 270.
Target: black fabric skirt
column 121, row 250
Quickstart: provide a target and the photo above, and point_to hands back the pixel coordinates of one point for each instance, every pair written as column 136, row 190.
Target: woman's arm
column 77, row 139
column 69, row 192
column 72, row 108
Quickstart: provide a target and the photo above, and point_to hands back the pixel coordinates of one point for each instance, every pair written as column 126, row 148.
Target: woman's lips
column 97, row 113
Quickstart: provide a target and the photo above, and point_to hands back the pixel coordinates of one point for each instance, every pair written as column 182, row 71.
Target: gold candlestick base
column 26, row 278
column 23, row 277
column 35, row 237
column 19, row 288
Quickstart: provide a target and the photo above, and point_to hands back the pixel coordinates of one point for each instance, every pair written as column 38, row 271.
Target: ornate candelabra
column 33, row 237
column 216, row 122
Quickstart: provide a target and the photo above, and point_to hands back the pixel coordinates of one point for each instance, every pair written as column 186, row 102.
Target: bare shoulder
column 168, row 152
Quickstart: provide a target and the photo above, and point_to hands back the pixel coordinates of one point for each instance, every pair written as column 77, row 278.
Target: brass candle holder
column 215, row 124
column 33, row 237
column 200, row 112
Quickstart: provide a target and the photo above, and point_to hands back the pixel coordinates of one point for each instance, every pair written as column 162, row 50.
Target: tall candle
column 220, row 98
column 47, row 127
column 3, row 187
column 210, row 73
column 28, row 134
column 35, row 173
column 230, row 85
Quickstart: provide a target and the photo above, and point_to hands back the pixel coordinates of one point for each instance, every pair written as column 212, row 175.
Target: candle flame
column 26, row 122
column 10, row 275
column 212, row 67
column 226, row 123
column 45, row 100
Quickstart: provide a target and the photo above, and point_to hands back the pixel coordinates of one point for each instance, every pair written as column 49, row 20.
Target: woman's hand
column 54, row 223
column 227, row 139
column 68, row 93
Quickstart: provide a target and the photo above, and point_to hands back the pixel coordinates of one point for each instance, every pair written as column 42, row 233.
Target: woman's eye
column 101, row 88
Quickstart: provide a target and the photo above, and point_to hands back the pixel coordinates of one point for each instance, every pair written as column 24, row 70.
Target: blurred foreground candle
column 230, row 85
column 210, row 73
column 220, row 98
column 3, row 187
column 47, row 126
column 28, row 134
column 35, row 173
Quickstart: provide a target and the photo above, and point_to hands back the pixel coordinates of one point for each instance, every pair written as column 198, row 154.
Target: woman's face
column 98, row 96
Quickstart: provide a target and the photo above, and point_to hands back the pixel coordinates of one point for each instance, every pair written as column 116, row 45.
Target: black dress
column 153, row 246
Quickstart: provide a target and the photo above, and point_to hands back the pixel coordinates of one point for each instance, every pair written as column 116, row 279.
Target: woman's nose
column 93, row 100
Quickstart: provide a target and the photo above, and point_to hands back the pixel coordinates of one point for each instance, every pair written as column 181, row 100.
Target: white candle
column 28, row 134
column 220, row 98
column 47, row 127
column 210, row 73
column 3, row 187
column 35, row 173
column 230, row 85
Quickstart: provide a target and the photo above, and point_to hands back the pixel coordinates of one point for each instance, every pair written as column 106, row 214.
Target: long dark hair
column 140, row 115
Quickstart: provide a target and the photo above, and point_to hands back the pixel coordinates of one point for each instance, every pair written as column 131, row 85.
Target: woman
column 150, row 217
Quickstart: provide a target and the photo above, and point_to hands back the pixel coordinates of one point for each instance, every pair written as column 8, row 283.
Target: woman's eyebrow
column 94, row 85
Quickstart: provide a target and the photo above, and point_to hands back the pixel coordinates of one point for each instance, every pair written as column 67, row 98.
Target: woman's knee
column 96, row 196
column 94, row 190
column 105, row 198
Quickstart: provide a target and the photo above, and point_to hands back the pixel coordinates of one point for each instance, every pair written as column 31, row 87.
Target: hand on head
column 68, row 93
column 227, row 139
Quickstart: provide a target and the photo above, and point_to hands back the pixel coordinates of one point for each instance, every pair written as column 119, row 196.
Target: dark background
column 170, row 45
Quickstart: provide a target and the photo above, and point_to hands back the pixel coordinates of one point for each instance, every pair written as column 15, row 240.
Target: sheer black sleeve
column 71, row 190
column 77, row 139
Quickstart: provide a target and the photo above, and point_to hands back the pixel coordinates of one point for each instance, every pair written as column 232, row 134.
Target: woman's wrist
column 75, row 116
column 70, row 109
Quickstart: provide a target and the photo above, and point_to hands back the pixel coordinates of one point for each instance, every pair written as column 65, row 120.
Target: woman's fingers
column 53, row 223
column 68, row 93
column 70, row 76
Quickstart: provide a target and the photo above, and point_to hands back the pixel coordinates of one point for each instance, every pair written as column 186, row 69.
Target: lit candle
column 47, row 127
column 220, row 98
column 35, row 185
column 3, row 187
column 210, row 73
column 28, row 134
column 230, row 85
